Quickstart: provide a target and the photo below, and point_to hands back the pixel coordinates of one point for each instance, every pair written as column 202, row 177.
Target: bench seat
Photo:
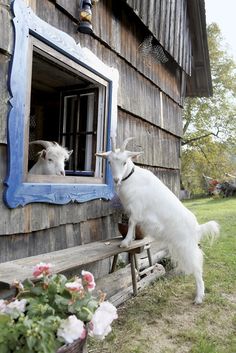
column 71, row 258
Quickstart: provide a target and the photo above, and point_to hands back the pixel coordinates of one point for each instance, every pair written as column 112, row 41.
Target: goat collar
column 132, row 171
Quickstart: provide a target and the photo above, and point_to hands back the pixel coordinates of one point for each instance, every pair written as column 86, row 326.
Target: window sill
column 54, row 179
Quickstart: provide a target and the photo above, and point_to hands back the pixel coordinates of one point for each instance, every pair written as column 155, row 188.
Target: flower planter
column 78, row 346
column 65, row 322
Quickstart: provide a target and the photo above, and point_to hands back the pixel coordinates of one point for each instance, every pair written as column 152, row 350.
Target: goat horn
column 43, row 143
column 113, row 144
column 124, row 144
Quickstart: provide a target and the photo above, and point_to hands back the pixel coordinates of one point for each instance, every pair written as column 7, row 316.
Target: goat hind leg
column 200, row 288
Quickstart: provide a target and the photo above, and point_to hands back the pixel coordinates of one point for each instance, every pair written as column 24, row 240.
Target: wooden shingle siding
column 140, row 85
column 6, row 48
column 4, row 97
column 34, row 217
column 170, row 177
column 172, row 116
column 58, row 238
column 122, row 37
column 161, row 149
column 149, row 108
column 169, row 27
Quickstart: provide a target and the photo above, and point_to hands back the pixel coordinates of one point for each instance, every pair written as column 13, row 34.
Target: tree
column 209, row 123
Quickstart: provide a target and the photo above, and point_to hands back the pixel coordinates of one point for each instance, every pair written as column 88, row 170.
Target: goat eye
column 124, row 163
column 49, row 159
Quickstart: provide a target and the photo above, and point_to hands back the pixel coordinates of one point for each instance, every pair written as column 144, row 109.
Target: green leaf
column 31, row 342
column 4, row 319
column 4, row 347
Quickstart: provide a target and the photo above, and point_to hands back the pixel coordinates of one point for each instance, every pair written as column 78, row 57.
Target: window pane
column 80, row 115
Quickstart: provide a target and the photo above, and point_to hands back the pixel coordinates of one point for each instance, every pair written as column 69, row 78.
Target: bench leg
column 133, row 273
column 149, row 255
column 114, row 263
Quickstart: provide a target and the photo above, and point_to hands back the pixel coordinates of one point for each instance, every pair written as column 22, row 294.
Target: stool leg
column 114, row 263
column 149, row 256
column 136, row 264
column 133, row 273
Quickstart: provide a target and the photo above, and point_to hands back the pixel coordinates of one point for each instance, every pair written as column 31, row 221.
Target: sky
column 223, row 12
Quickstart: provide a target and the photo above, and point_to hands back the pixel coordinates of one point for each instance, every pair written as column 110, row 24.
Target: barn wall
column 39, row 228
column 171, row 26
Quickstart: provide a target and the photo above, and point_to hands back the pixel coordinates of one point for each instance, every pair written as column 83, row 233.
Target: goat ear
column 43, row 154
column 134, row 155
column 103, row 154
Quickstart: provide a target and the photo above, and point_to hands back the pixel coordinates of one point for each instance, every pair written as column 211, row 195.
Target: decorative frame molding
column 18, row 192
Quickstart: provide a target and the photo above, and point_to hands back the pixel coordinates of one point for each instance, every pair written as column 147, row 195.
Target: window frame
column 21, row 188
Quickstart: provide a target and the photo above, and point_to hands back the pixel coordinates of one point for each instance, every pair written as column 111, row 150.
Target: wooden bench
column 74, row 257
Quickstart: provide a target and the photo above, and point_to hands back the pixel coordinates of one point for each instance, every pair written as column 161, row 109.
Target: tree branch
column 187, row 142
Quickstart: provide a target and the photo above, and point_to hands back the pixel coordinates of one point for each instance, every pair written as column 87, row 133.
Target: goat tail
column 210, row 229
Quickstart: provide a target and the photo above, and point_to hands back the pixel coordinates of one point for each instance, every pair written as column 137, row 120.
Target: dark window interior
column 64, row 108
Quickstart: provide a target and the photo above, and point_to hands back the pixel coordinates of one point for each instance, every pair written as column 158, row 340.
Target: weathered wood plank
column 129, row 34
column 150, row 139
column 66, row 259
column 6, row 29
column 126, row 293
column 4, row 96
column 171, row 178
column 71, row 7
column 55, row 238
column 36, row 217
column 156, row 257
column 169, row 27
column 115, row 281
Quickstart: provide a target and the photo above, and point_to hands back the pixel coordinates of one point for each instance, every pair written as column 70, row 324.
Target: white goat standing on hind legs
column 159, row 213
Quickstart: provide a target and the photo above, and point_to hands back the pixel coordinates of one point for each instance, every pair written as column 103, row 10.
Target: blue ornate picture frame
column 18, row 192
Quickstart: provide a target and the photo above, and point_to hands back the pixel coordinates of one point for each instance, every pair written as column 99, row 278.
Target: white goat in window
column 51, row 160
column 159, row 213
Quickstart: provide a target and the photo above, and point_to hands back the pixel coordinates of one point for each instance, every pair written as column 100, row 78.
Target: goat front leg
column 130, row 235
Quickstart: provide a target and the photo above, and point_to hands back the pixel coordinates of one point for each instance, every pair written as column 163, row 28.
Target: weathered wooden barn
column 127, row 77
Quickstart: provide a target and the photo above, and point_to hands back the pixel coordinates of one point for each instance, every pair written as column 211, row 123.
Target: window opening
column 68, row 108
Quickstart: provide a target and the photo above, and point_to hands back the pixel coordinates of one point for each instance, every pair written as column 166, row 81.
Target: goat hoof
column 125, row 244
column 198, row 300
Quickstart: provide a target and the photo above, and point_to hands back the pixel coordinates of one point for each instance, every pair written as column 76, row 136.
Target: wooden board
column 66, row 259
column 4, row 96
column 126, row 293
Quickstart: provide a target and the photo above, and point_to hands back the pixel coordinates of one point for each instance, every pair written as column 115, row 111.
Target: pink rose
column 42, row 269
column 88, row 280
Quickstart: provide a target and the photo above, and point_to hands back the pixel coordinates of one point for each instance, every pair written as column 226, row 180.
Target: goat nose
column 116, row 180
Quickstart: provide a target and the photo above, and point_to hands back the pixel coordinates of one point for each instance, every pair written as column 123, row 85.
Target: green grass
column 162, row 318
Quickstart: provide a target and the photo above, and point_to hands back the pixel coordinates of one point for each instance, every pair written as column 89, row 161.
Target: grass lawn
column 162, row 318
